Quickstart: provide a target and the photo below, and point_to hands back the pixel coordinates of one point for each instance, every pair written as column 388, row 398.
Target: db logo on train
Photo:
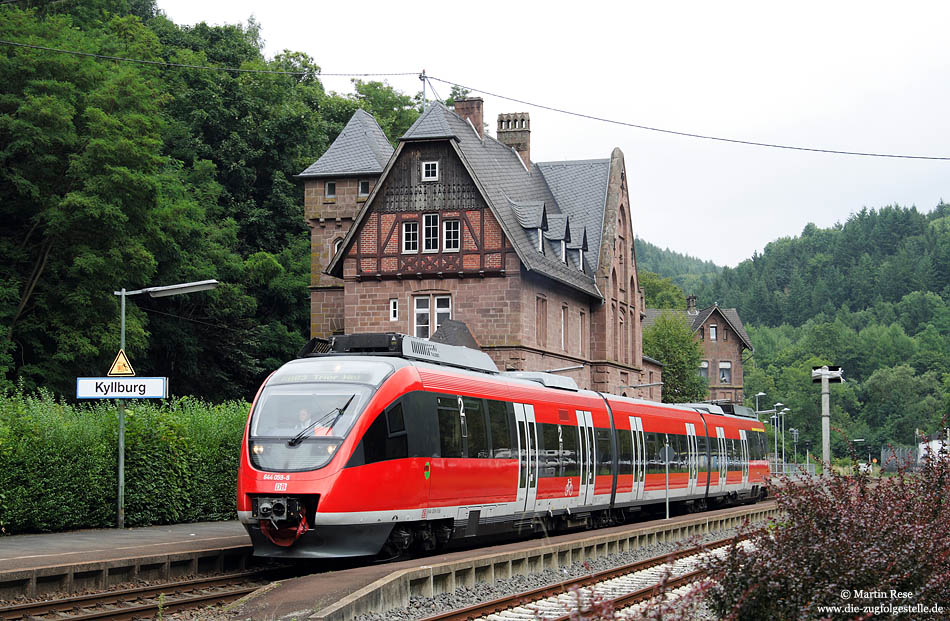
column 569, row 487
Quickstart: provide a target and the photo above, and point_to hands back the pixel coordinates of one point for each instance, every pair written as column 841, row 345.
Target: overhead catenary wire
column 687, row 134
column 428, row 79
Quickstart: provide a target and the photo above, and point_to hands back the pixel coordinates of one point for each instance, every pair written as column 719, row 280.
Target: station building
column 724, row 340
column 536, row 258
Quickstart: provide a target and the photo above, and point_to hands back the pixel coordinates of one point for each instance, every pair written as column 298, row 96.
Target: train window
column 604, row 452
column 624, row 452
column 703, row 458
column 549, row 456
column 570, row 466
column 735, row 463
column 680, row 455
column 477, row 430
column 522, row 455
column 378, row 445
column 395, row 419
column 450, row 427
column 500, row 430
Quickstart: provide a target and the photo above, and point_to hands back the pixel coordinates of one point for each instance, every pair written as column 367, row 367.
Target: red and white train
column 389, row 442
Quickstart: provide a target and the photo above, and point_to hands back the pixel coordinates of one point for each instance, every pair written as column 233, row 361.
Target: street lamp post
column 757, row 395
column 794, row 433
column 775, row 432
column 784, row 410
column 155, row 292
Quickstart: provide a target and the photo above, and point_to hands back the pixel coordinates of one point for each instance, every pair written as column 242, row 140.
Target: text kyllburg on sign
column 121, row 387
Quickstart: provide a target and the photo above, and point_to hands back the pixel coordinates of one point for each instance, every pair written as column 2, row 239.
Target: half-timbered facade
column 536, row 258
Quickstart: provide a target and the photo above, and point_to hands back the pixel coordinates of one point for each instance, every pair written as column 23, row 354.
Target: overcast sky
column 854, row 76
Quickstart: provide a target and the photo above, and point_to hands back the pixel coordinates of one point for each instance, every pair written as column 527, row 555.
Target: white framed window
column 364, row 187
column 712, row 332
column 451, row 235
column 580, row 259
column 430, row 232
column 443, row 309
column 430, row 171
column 329, row 189
column 704, row 369
column 337, row 244
column 564, row 251
column 725, row 372
column 540, row 241
column 393, row 309
column 421, row 314
column 424, row 307
column 410, row 237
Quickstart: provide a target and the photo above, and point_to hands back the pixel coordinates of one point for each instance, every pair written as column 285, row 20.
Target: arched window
column 622, row 339
column 337, row 244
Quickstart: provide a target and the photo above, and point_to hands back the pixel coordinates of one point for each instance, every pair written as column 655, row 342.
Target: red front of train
column 399, row 446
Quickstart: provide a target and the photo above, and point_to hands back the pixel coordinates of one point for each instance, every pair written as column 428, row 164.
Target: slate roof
column 431, row 124
column 731, row 316
column 360, row 149
column 518, row 197
column 530, row 214
column 578, row 186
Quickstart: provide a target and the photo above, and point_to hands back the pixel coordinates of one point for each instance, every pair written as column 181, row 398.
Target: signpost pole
column 121, row 514
column 825, row 419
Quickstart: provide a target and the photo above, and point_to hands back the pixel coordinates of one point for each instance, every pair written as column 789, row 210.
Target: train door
column 692, row 459
column 585, row 423
column 639, row 456
column 527, row 457
column 744, row 442
column 723, row 457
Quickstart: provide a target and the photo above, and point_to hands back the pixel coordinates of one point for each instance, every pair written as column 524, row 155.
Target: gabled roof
column 729, row 315
column 516, row 194
column 361, row 148
column 430, row 124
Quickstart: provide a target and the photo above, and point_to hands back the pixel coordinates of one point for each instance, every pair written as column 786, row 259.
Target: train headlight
column 257, row 449
column 331, row 448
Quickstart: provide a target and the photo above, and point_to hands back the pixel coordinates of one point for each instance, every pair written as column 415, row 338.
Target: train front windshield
column 306, row 411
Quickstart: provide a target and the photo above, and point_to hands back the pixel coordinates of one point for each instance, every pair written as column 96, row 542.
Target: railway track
column 142, row 602
column 613, row 589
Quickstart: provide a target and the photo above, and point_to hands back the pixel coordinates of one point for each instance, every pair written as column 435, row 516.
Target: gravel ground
column 420, row 607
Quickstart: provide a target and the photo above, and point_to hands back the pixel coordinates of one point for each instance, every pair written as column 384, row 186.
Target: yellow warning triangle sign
column 121, row 366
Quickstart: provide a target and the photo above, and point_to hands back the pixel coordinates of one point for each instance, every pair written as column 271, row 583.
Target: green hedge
column 58, row 462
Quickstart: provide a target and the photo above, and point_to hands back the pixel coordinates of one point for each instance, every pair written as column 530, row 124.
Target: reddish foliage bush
column 867, row 546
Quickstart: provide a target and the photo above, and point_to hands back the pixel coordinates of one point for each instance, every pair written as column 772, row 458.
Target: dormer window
column 430, row 171
column 564, row 251
column 540, row 241
column 329, row 190
column 580, row 259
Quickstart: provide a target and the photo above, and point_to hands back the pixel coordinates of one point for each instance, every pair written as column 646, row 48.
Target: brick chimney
column 471, row 109
column 691, row 305
column 514, row 130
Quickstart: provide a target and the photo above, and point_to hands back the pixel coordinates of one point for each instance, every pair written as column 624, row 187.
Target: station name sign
column 121, row 387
